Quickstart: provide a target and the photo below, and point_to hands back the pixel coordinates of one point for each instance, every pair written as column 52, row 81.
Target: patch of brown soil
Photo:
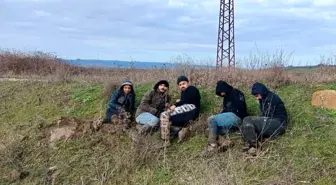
column 325, row 98
column 67, row 128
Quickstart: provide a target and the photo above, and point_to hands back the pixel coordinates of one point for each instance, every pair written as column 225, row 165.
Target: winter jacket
column 234, row 99
column 119, row 100
column 270, row 105
column 153, row 102
column 191, row 96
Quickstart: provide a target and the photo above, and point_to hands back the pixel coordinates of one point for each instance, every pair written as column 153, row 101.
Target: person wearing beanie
column 122, row 103
column 270, row 124
column 234, row 111
column 183, row 112
column 153, row 103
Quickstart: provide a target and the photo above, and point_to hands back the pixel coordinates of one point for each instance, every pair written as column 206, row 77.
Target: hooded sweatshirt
column 120, row 100
column 234, row 99
column 154, row 101
column 270, row 105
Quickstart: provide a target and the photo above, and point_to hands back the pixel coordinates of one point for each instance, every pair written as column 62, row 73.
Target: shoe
column 106, row 120
column 246, row 147
column 225, row 144
column 183, row 134
column 97, row 123
column 166, row 143
column 210, row 148
column 252, row 151
column 134, row 136
column 144, row 129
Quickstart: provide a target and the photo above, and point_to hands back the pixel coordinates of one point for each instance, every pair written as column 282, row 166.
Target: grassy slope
column 306, row 154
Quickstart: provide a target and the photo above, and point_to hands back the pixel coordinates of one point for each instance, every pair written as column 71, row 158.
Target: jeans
column 255, row 128
column 221, row 124
column 147, row 118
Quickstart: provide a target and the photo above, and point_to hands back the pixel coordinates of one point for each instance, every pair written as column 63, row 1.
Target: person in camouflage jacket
column 153, row 103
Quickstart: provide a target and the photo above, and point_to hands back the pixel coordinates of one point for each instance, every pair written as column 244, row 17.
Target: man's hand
column 178, row 100
column 167, row 106
column 172, row 107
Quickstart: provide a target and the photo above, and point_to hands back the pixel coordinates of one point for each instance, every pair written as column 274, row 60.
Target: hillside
column 304, row 155
column 38, row 90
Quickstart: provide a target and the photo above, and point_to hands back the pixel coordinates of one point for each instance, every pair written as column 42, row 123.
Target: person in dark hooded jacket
column 153, row 103
column 272, row 121
column 121, row 102
column 234, row 111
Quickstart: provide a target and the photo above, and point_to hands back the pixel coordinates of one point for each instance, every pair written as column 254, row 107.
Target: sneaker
column 226, row 144
column 183, row 134
column 97, row 123
column 166, row 143
column 144, row 129
column 246, row 147
column 138, row 127
column 252, row 151
column 210, row 148
column 134, row 136
column 249, row 145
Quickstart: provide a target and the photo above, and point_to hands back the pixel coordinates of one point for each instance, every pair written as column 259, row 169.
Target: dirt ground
column 67, row 128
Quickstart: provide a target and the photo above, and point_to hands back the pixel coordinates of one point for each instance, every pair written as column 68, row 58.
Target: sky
column 160, row 30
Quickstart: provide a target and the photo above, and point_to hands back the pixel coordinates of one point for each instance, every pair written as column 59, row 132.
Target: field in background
column 261, row 67
column 304, row 155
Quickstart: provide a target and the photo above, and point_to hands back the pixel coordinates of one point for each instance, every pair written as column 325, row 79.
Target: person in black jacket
column 272, row 121
column 184, row 111
column 234, row 111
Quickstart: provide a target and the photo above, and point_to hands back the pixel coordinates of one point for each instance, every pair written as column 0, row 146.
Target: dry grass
column 303, row 156
column 261, row 67
column 105, row 158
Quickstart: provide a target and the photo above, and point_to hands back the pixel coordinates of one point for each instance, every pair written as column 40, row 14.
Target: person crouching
column 153, row 103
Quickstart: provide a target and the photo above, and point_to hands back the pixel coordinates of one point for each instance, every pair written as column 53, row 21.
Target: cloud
column 41, row 13
column 156, row 30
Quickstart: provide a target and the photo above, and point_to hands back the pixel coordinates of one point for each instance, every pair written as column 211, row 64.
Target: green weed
column 304, row 154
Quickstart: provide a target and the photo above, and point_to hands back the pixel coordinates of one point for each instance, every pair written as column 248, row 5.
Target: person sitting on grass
column 182, row 113
column 153, row 103
column 271, row 123
column 121, row 105
column 234, row 111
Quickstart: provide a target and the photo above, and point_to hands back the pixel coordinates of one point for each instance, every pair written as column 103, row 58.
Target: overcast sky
column 157, row 30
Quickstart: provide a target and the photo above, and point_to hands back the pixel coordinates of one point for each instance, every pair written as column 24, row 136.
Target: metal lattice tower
column 226, row 46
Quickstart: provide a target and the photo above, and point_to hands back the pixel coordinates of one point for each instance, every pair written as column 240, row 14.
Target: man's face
column 223, row 94
column 183, row 85
column 258, row 96
column 163, row 88
column 127, row 89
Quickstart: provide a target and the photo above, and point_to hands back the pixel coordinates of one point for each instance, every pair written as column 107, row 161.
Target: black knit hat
column 182, row 78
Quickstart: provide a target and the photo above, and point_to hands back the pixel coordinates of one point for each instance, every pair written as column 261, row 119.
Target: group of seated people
column 158, row 111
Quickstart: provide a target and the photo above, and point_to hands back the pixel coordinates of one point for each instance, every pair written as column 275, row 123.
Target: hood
column 259, row 88
column 156, row 86
column 222, row 86
column 127, row 82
